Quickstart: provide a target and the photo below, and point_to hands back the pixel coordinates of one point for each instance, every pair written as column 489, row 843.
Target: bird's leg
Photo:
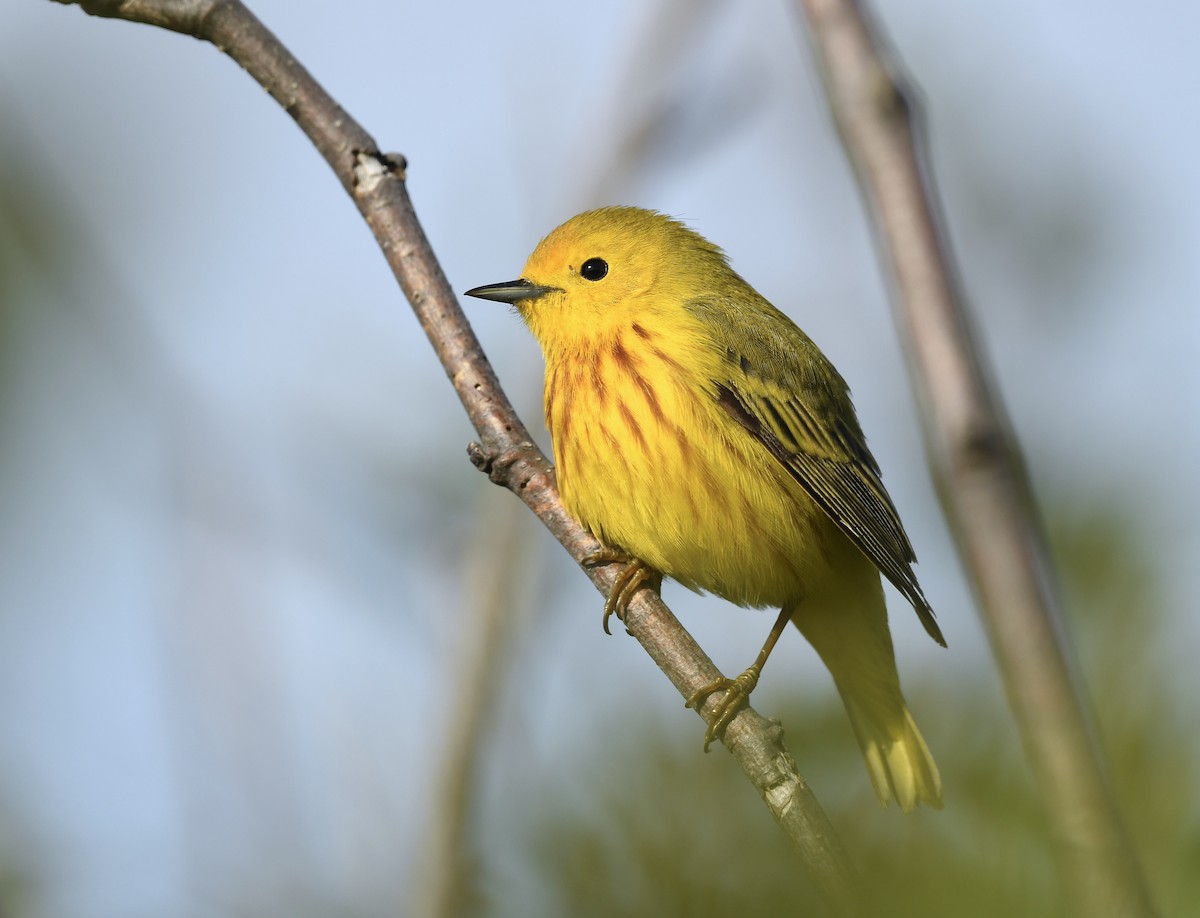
column 737, row 691
column 635, row 575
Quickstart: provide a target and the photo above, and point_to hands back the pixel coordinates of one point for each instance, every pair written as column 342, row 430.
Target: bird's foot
column 737, row 694
column 635, row 575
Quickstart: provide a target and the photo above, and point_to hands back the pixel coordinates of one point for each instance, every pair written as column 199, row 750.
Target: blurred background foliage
column 653, row 829
column 268, row 644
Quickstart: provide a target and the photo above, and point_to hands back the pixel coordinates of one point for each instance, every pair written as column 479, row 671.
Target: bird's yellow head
column 605, row 269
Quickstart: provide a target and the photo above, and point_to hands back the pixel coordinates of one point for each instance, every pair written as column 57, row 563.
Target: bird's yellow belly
column 663, row 473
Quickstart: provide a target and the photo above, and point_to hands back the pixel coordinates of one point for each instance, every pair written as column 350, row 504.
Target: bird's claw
column 737, row 695
column 635, row 575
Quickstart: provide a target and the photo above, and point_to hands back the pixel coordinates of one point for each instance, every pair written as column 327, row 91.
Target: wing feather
column 784, row 392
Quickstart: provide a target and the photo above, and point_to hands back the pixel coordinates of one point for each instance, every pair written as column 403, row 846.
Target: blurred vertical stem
column 496, row 564
column 978, row 464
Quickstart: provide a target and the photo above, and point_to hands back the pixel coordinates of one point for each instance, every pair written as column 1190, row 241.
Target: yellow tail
column 847, row 625
column 898, row 760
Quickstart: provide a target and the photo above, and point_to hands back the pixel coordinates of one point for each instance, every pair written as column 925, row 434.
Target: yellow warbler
column 702, row 436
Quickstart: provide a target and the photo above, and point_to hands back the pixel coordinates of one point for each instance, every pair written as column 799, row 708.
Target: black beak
column 510, row 291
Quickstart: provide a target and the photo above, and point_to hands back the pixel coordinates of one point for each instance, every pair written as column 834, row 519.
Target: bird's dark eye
column 594, row 269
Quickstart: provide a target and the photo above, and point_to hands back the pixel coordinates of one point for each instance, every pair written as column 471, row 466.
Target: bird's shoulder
column 782, row 377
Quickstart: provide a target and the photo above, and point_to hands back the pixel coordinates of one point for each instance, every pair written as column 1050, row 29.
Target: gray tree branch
column 376, row 182
column 978, row 464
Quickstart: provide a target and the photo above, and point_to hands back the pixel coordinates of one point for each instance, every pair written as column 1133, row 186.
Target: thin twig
column 978, row 463
column 506, row 452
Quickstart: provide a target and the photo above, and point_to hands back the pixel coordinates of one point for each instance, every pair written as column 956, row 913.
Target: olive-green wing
column 787, row 395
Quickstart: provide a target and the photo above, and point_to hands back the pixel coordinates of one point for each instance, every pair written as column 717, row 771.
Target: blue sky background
column 239, row 535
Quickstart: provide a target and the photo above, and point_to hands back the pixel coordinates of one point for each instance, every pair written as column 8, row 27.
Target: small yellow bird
column 702, row 436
